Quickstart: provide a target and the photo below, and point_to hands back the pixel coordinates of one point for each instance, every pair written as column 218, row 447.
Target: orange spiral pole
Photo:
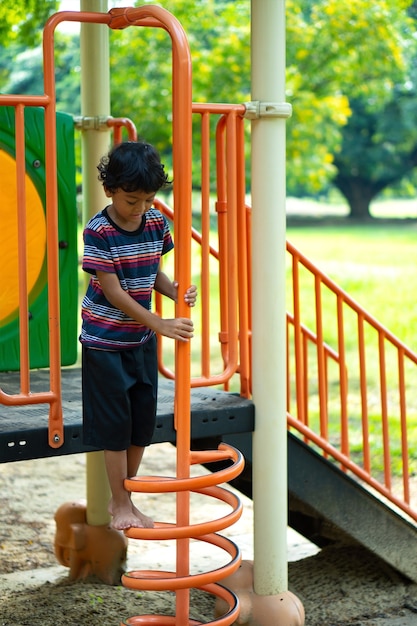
column 206, row 531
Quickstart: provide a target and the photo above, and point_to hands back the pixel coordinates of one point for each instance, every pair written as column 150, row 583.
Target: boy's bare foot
column 147, row 522
column 122, row 520
column 128, row 516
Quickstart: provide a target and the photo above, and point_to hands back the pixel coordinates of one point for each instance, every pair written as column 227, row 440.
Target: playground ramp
column 326, row 505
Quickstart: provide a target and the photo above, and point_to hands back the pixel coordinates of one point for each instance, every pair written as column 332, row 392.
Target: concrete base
column 283, row 609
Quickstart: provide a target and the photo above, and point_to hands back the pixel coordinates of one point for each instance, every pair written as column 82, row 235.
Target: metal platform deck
column 24, row 430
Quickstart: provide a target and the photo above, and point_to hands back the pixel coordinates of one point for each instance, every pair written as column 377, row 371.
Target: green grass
column 376, row 263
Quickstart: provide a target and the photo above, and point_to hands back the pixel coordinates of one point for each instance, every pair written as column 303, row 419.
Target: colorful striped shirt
column 135, row 257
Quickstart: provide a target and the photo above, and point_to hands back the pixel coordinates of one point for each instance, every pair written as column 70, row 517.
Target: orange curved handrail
column 117, row 124
column 233, row 249
column 205, row 531
column 228, row 596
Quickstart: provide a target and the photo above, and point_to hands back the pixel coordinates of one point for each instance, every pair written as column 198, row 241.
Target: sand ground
column 338, row 586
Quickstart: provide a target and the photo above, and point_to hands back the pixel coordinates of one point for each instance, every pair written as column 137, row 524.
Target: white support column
column 95, row 103
column 269, row 112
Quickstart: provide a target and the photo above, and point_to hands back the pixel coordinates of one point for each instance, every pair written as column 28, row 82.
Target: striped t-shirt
column 134, row 257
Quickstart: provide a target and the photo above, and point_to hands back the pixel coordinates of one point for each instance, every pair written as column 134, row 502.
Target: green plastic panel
column 68, row 257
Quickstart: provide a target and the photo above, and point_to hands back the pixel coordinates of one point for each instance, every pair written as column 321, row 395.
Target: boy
column 123, row 247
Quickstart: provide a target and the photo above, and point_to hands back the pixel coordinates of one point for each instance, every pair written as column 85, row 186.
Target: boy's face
column 129, row 207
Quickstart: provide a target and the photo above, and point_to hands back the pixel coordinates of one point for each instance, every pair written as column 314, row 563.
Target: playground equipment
column 269, row 451
column 182, row 484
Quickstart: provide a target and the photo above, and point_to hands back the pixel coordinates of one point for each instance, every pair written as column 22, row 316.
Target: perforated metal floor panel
column 24, row 430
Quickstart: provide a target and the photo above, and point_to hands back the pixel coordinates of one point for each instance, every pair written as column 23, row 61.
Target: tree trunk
column 359, row 194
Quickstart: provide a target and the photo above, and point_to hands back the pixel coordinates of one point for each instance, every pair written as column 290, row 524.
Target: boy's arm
column 165, row 286
column 169, row 288
column 178, row 328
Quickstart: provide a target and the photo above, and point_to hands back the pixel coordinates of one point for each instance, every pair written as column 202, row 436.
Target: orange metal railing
column 224, row 334
column 183, row 484
column 348, row 392
column 350, row 384
column 47, row 101
column 52, row 396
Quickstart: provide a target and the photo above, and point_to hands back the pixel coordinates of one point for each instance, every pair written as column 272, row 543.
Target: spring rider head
column 88, row 550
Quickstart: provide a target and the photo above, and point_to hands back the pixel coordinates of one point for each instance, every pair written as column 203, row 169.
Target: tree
column 21, row 26
column 379, row 143
column 22, row 21
column 218, row 34
column 329, row 47
column 379, row 148
column 24, row 71
column 337, row 52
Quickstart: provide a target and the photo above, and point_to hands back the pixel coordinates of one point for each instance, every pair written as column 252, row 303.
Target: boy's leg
column 134, row 458
column 121, row 507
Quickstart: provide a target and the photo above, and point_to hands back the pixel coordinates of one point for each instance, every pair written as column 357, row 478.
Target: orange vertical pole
column 205, row 243
column 321, row 360
column 242, row 234
column 22, row 247
column 181, row 139
column 344, row 419
column 249, row 286
column 384, row 409
column 55, row 417
column 183, row 484
column 403, row 422
column 232, row 262
column 298, row 349
column 222, row 225
column 364, row 395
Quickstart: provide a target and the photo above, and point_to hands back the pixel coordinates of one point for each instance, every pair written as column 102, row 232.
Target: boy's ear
column 108, row 192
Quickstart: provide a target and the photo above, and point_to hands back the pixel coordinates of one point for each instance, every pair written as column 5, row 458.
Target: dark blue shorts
column 119, row 396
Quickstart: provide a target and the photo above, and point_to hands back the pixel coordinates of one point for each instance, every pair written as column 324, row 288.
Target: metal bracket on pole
column 98, row 122
column 257, row 109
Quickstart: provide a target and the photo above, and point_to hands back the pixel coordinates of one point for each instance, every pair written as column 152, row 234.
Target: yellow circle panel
column 35, row 238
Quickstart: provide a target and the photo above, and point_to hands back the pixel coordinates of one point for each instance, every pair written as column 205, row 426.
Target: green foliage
column 329, row 47
column 22, row 21
column 379, row 142
column 342, row 58
column 26, row 71
column 380, row 145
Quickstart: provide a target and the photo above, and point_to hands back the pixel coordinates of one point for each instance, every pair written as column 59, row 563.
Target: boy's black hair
column 133, row 166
